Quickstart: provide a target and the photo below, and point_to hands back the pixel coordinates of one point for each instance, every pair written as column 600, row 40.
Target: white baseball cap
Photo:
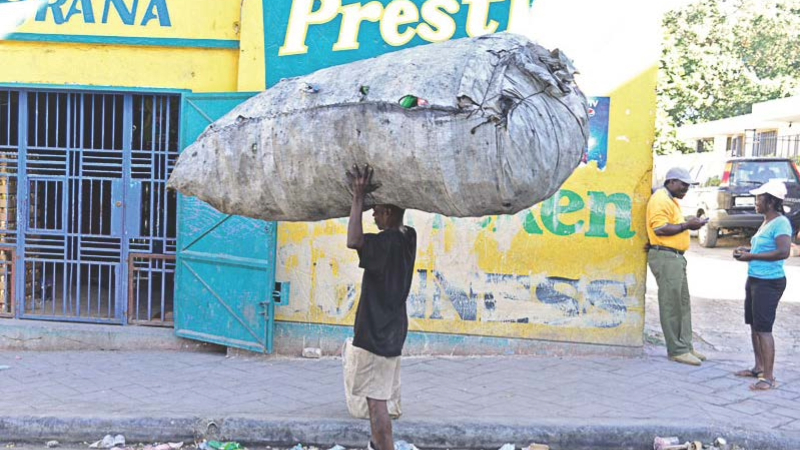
column 681, row 174
column 774, row 188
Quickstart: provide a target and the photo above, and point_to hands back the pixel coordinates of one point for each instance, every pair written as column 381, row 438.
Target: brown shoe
column 686, row 358
column 699, row 355
column 749, row 373
column 764, row 384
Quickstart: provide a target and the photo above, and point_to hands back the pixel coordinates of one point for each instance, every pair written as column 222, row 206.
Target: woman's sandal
column 749, row 373
column 764, row 384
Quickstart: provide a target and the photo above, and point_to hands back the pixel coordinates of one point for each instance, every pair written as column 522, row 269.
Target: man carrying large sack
column 381, row 320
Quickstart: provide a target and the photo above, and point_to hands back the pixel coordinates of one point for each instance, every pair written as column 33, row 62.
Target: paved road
column 571, row 403
column 716, row 282
column 714, row 274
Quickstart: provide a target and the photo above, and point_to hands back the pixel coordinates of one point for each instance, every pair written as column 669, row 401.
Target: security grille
column 85, row 189
column 9, row 154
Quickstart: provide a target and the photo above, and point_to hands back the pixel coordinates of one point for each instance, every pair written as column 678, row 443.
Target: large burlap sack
column 503, row 128
column 357, row 405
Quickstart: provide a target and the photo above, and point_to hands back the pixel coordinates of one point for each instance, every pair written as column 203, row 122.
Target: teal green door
column 225, row 274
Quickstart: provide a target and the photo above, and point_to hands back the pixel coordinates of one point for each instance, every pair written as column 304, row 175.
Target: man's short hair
column 394, row 209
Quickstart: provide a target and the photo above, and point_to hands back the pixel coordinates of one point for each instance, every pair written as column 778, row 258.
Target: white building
column 772, row 129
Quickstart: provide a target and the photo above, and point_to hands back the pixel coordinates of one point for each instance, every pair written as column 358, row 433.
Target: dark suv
column 730, row 206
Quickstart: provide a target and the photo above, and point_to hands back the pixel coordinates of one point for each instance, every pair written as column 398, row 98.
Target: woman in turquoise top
column 766, row 280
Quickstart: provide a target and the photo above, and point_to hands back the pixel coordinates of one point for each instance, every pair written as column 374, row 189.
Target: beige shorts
column 374, row 376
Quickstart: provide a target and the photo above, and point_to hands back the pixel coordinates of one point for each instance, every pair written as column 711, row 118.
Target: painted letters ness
column 517, row 299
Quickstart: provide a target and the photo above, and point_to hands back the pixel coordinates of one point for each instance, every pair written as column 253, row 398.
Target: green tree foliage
column 721, row 56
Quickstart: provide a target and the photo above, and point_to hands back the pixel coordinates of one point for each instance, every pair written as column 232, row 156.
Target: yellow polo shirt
column 663, row 209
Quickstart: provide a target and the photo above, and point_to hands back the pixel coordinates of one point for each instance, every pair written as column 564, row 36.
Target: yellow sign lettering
column 352, row 16
column 399, row 20
column 301, row 17
column 478, row 17
column 397, row 14
column 439, row 25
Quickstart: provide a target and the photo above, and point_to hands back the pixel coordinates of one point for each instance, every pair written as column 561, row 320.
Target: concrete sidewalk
column 569, row 403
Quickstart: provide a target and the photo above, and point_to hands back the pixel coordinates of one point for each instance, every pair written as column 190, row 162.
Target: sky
column 610, row 42
column 14, row 14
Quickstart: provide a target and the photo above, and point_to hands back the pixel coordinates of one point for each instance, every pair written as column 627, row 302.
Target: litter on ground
column 109, row 441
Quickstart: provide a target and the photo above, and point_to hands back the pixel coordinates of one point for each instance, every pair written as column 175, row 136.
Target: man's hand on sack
column 361, row 181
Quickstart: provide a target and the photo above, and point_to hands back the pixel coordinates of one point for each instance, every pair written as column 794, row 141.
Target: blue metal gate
column 225, row 283
column 84, row 205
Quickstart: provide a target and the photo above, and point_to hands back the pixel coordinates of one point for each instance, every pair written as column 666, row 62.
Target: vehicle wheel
column 707, row 236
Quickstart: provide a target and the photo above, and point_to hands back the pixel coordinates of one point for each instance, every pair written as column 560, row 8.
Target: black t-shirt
column 388, row 262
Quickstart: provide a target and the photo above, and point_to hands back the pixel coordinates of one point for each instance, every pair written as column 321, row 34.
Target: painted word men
column 399, row 20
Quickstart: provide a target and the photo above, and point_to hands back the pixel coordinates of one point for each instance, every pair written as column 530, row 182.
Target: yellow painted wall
column 466, row 259
column 492, row 276
column 144, row 66
column 199, row 70
column 495, row 276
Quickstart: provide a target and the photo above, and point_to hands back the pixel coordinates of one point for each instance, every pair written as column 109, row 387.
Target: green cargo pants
column 674, row 305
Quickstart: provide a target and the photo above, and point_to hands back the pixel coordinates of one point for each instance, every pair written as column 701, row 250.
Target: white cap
column 681, row 174
column 774, row 188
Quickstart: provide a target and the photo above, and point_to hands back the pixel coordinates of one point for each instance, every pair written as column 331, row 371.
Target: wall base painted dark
column 291, row 338
column 58, row 336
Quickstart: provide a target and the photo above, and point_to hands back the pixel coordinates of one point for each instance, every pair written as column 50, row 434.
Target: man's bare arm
column 672, row 229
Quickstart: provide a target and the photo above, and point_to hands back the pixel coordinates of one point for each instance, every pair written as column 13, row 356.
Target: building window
column 735, row 145
column 766, row 143
column 705, row 145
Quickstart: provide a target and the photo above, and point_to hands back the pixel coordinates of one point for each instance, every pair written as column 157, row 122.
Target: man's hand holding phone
column 695, row 223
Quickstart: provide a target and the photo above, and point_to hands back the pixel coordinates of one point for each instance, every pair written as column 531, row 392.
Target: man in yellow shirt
column 669, row 239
